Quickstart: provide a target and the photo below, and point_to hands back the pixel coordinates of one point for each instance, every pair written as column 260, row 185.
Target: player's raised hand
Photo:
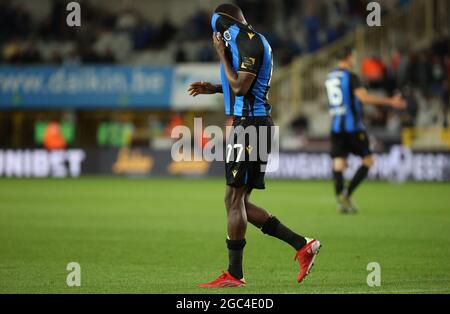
column 219, row 44
column 398, row 102
column 204, row 88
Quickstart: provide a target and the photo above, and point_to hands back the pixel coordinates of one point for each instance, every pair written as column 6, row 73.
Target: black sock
column 338, row 181
column 359, row 177
column 275, row 228
column 235, row 253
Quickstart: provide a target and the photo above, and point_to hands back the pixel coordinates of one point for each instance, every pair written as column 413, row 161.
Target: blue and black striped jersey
column 345, row 108
column 249, row 52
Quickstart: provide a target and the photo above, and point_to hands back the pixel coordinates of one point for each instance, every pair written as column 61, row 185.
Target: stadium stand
column 144, row 32
column 413, row 57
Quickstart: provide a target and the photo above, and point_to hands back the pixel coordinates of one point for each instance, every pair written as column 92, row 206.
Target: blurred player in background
column 246, row 72
column 346, row 96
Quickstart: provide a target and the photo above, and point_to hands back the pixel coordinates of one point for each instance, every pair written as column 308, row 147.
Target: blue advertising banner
column 92, row 87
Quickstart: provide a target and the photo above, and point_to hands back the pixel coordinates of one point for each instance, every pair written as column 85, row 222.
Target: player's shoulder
column 249, row 34
column 249, row 39
column 354, row 79
column 263, row 39
column 336, row 73
column 352, row 74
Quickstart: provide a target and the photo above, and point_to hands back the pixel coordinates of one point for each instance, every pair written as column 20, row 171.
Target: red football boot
column 224, row 281
column 306, row 256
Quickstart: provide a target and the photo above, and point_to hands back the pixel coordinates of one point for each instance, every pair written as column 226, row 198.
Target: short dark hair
column 344, row 53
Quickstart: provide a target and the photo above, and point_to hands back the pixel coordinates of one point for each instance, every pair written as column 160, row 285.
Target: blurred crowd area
column 128, row 33
column 421, row 77
column 177, row 31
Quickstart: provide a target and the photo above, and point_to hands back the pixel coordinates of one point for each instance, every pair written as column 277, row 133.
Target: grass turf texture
column 166, row 236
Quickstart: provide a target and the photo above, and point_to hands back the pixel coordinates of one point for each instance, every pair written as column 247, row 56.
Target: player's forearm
column 375, row 100
column 363, row 95
column 232, row 76
column 219, row 89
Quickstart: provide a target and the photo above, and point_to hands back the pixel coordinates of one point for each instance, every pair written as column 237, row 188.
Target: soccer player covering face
column 346, row 96
column 246, row 70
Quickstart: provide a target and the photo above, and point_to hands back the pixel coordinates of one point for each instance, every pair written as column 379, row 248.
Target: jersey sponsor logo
column 248, row 63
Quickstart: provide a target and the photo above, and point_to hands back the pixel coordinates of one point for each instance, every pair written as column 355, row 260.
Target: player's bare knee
column 368, row 161
column 339, row 164
column 234, row 198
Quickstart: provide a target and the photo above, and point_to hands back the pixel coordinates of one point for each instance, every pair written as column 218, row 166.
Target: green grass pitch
column 168, row 235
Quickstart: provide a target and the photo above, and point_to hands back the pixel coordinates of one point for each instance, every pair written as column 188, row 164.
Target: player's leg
column 361, row 174
column 257, row 216
column 236, row 175
column 359, row 144
column 237, row 226
column 306, row 249
column 270, row 225
column 236, row 214
column 360, row 147
column 339, row 166
column 339, row 153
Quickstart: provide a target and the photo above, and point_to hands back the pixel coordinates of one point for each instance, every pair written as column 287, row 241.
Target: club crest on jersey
column 227, row 35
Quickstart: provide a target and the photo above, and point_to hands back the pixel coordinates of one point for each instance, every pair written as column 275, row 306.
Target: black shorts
column 247, row 151
column 343, row 144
